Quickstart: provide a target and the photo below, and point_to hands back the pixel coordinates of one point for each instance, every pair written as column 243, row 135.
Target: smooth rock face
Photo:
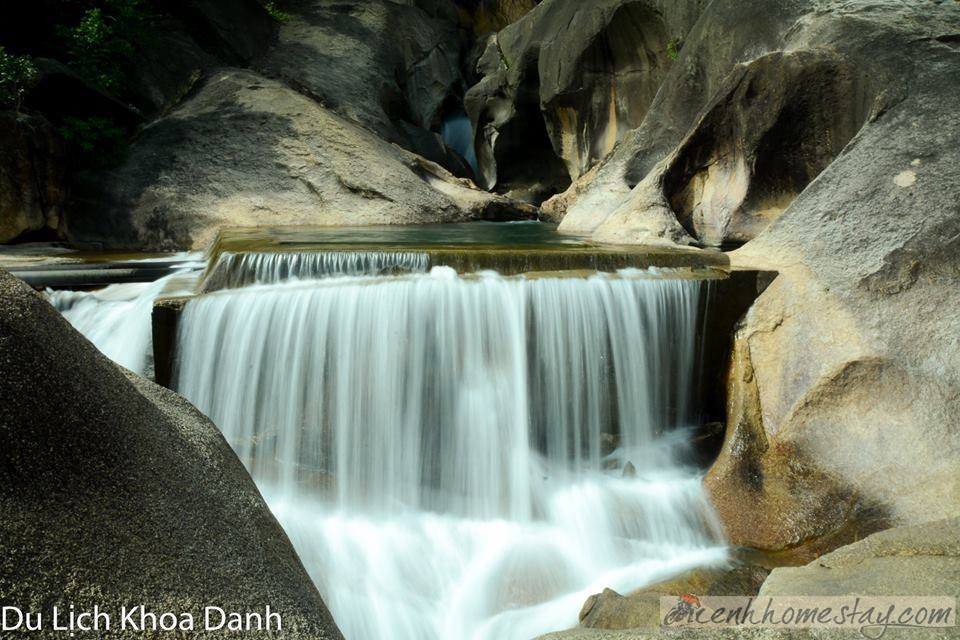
column 565, row 83
column 777, row 122
column 117, row 492
column 918, row 560
column 391, row 67
column 853, row 349
column 245, row 150
column 33, row 186
column 714, row 38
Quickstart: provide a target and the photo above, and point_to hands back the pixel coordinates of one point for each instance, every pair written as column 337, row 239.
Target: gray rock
column 245, row 151
column 117, row 492
column 391, row 67
column 564, row 84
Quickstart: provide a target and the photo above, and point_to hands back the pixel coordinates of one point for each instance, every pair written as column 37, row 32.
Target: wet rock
column 117, row 492
column 33, row 184
column 247, row 151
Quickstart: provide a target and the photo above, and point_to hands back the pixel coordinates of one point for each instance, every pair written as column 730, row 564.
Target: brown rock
column 33, row 188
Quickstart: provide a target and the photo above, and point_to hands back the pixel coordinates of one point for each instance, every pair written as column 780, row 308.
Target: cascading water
column 449, row 455
column 234, row 270
column 116, row 319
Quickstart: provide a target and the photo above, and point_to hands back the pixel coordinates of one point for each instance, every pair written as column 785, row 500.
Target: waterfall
column 457, row 133
column 449, row 455
column 234, row 270
column 116, row 319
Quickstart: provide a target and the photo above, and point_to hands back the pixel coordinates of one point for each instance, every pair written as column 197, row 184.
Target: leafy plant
column 275, row 13
column 673, row 48
column 104, row 40
column 17, row 75
column 98, row 141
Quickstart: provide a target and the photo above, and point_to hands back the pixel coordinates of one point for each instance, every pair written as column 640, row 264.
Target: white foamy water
column 116, row 319
column 234, row 270
column 439, row 448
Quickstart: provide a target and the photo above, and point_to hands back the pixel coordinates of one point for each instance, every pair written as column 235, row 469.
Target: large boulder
column 33, row 184
column 117, row 492
column 844, row 396
column 392, row 67
column 245, row 151
column 564, row 84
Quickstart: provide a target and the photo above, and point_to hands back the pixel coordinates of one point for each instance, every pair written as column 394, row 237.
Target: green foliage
column 673, row 48
column 275, row 13
column 17, row 75
column 104, row 40
column 97, row 141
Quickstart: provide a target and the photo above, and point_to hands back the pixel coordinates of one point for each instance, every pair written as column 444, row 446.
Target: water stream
column 116, row 319
column 463, row 457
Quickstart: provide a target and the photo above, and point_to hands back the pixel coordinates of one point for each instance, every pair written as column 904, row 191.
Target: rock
column 391, row 67
column 237, row 31
column 562, row 85
column 485, row 16
column 610, row 610
column 727, row 33
column 767, row 493
column 244, row 151
column 917, row 560
column 855, row 376
column 33, row 184
column 118, row 492
column 777, row 122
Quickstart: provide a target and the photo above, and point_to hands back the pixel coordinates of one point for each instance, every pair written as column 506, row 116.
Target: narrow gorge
column 488, row 319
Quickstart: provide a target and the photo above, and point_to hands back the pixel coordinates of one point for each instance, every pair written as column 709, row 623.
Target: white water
column 116, row 319
column 435, row 446
column 234, row 270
